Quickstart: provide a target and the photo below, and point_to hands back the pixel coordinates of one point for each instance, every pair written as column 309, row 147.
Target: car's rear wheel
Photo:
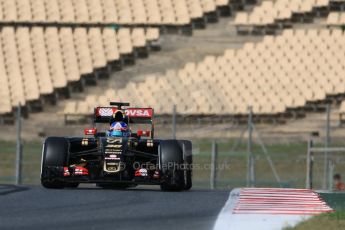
column 55, row 152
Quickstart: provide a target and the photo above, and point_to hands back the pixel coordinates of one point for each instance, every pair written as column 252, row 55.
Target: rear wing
column 135, row 115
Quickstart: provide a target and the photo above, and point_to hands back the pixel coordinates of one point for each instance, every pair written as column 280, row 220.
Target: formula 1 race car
column 115, row 161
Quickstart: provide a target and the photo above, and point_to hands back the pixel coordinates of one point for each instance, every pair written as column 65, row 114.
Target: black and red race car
column 117, row 162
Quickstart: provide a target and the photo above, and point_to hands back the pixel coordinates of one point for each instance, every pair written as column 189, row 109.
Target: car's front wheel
column 55, row 151
column 171, row 165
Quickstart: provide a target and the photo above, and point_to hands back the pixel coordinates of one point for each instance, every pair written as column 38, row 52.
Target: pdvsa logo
column 138, row 112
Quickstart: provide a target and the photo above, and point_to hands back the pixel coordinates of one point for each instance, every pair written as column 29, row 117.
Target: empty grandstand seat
column 38, row 11
column 102, row 101
column 138, row 11
column 154, row 15
column 66, row 10
column 23, row 10
column 222, row 2
column 69, row 55
column 41, row 61
column 97, row 48
column 110, row 44
column 152, row 34
column 167, row 12
column 124, row 11
column 9, row 11
column 56, row 66
column 91, row 101
column 70, row 108
column 83, row 51
column 95, row 10
column 322, row 3
column 52, row 11
column 81, row 11
column 181, row 12
column 11, row 62
column 195, row 9
column 5, row 93
column 26, row 64
column 208, row 5
column 109, row 11
column 138, row 37
column 82, row 108
column 124, row 41
column 333, row 18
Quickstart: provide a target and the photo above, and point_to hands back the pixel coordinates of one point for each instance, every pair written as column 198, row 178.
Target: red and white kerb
column 280, row 201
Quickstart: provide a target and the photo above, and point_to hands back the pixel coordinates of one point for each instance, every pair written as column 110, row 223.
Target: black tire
column 187, row 160
column 55, row 153
column 170, row 160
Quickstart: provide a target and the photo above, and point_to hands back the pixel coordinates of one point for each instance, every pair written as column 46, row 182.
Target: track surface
column 92, row 208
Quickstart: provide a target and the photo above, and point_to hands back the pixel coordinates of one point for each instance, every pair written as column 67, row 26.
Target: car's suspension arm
column 133, row 153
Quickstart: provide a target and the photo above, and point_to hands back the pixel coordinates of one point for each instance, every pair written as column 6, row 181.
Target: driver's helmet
column 119, row 129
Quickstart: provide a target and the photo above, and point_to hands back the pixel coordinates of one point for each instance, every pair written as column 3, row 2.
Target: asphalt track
column 91, row 208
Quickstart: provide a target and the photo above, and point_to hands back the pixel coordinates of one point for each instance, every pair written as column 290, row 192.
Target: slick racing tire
column 188, row 161
column 54, row 158
column 170, row 161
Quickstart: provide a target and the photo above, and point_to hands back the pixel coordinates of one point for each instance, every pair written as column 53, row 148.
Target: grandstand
column 52, row 49
column 271, row 76
column 38, row 62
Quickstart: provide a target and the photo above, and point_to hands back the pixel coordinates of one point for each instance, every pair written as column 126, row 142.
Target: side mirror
column 141, row 133
column 92, row 131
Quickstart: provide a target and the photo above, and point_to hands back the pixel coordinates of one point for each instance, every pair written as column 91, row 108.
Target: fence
column 334, row 159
